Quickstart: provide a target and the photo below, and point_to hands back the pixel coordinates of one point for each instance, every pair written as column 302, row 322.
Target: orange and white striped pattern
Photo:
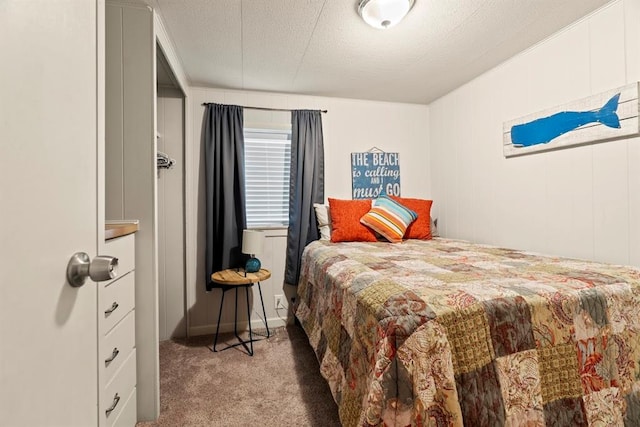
column 389, row 218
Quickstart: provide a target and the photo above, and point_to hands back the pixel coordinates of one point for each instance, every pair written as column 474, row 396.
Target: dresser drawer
column 129, row 414
column 115, row 301
column 117, row 345
column 124, row 249
column 118, row 390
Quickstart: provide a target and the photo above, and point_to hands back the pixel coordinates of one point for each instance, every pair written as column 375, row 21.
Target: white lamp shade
column 384, row 13
column 252, row 242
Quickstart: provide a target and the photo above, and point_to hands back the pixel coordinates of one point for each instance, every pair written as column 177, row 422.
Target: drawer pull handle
column 114, row 354
column 112, row 309
column 116, row 399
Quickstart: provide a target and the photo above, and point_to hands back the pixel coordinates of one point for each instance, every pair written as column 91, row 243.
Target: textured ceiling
column 322, row 47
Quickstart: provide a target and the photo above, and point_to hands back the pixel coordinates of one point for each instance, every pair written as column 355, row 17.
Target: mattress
column 445, row 332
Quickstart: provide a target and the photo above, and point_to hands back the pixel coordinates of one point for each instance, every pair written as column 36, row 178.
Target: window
column 267, row 162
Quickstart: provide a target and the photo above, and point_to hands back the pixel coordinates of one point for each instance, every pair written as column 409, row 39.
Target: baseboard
column 256, row 324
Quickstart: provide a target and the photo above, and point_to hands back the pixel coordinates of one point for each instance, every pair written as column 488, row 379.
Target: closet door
column 50, row 127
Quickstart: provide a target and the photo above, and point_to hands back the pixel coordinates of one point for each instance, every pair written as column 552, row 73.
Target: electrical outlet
column 280, row 303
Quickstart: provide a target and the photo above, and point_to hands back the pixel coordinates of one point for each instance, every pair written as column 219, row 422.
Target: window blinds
column 267, row 165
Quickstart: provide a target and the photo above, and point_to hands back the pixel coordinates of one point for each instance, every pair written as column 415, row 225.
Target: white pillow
column 324, row 220
column 434, row 227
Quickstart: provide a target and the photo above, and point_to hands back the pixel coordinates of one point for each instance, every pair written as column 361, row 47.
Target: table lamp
column 252, row 243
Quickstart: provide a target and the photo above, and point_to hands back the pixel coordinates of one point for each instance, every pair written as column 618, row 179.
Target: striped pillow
column 389, row 218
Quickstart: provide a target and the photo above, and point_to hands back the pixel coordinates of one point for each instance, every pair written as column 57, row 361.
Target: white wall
column 130, row 172
column 349, row 126
column 170, row 137
column 580, row 202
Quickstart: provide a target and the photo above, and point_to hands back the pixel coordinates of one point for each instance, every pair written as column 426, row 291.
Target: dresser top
column 113, row 229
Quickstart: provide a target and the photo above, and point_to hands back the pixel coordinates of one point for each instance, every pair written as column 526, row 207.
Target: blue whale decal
column 545, row 129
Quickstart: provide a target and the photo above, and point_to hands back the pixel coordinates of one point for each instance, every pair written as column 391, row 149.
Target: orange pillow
column 421, row 227
column 345, row 221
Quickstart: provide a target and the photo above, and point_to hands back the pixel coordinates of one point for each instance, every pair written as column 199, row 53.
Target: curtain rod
column 264, row 108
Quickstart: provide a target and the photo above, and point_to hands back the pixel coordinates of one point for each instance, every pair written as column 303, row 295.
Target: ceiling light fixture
column 384, row 14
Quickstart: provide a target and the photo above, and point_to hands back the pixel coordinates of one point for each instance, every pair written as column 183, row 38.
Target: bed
column 445, row 332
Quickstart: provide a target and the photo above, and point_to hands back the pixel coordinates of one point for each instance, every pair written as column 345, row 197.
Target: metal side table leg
column 215, row 340
column 264, row 313
column 235, row 319
column 246, row 290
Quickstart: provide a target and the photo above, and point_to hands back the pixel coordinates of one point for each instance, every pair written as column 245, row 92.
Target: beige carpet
column 280, row 385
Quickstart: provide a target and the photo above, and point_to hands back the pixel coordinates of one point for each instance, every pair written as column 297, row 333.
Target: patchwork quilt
column 448, row 333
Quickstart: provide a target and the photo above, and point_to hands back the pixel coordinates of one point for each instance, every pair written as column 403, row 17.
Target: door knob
column 80, row 267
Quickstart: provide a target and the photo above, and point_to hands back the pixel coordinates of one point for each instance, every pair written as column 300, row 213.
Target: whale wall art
column 603, row 117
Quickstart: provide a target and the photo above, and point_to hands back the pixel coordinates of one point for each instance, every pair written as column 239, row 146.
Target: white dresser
column 117, row 344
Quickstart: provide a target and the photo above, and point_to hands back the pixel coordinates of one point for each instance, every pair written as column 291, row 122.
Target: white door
column 51, row 126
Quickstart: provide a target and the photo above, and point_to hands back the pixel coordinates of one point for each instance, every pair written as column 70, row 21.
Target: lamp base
column 252, row 266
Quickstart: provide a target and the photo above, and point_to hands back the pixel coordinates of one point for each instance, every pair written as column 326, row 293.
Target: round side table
column 234, row 278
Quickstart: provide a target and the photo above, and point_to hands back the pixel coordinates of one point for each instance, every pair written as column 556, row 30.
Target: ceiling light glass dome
column 384, row 14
